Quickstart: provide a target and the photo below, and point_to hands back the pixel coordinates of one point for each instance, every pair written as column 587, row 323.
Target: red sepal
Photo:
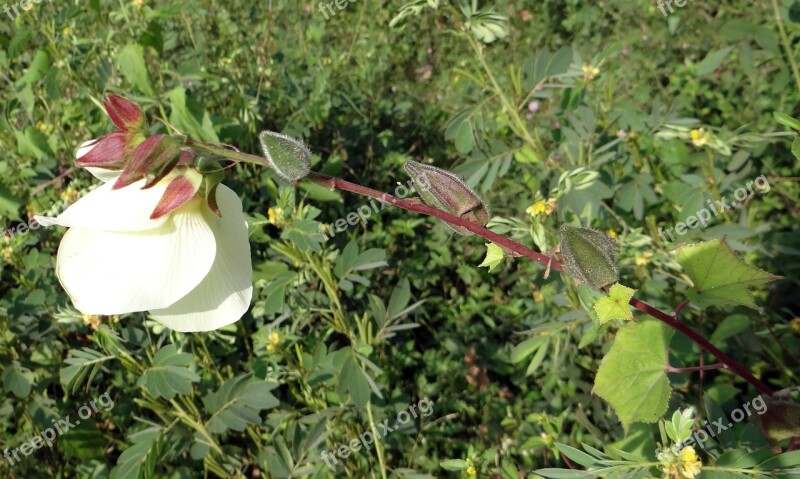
column 124, row 113
column 107, row 152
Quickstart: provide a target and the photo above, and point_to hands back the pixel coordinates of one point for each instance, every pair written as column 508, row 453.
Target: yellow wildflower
column 91, row 320
column 274, row 341
column 537, row 208
column 589, row 72
column 471, row 471
column 542, row 207
column 691, row 463
column 795, row 325
column 612, row 233
column 699, row 137
column 276, row 217
column 138, row 3
column 644, row 258
column 687, row 462
column 7, row 253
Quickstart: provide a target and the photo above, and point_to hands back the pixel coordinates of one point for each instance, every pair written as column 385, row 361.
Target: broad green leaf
column 170, row 373
column 494, row 256
column 238, row 403
column 720, row 278
column 631, row 376
column 16, row 381
column 130, row 61
column 615, row 305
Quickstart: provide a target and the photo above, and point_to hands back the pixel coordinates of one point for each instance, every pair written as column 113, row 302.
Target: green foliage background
column 396, row 310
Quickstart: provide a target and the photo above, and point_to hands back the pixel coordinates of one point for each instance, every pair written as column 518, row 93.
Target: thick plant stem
column 500, row 240
column 787, row 45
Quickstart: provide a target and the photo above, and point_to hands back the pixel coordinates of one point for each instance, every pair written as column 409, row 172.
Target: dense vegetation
column 604, row 114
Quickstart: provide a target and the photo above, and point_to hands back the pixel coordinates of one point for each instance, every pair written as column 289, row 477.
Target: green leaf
column 631, row 376
column 454, row 464
column 796, row 148
column 238, row 402
column 712, row 61
column 130, row 61
column 170, row 373
column 787, row 120
column 84, row 441
column 140, row 459
column 16, row 381
column 615, row 305
column 82, row 363
column 189, row 117
column 290, row 158
column 494, row 256
column 720, row 278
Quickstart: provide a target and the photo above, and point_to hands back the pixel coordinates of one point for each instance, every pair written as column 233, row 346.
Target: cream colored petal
column 108, row 272
column 104, row 175
column 126, row 209
column 224, row 295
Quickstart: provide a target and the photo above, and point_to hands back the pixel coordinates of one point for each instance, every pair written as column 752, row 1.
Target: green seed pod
column 445, row 191
column 589, row 256
column 288, row 157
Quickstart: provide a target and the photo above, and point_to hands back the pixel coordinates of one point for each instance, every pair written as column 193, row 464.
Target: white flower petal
column 126, row 209
column 103, row 174
column 224, row 295
column 85, row 148
column 108, row 272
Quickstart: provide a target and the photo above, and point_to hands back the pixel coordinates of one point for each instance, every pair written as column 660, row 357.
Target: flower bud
column 107, row 152
column 179, row 191
column 153, row 159
column 589, row 256
column 445, row 191
column 290, row 159
column 124, row 113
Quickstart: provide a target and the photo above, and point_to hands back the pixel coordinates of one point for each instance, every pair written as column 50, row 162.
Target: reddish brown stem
column 727, row 361
column 693, row 369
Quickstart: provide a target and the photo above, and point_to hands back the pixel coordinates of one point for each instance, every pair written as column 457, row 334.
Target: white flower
column 190, row 268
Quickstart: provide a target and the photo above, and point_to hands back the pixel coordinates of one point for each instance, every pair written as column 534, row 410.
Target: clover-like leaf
column 720, row 278
column 238, row 403
column 615, row 305
column 631, row 376
column 494, row 256
column 170, row 373
column 290, row 158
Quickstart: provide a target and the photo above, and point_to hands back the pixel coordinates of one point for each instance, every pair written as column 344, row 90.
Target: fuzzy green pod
column 589, row 256
column 289, row 158
column 445, row 191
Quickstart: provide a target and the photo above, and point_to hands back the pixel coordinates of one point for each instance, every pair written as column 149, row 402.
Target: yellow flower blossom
column 699, row 137
column 276, row 217
column 138, row 4
column 612, row 233
column 274, row 340
column 7, row 253
column 542, row 207
column 471, row 471
column 537, row 208
column 795, row 325
column 644, row 258
column 589, row 72
column 687, row 463
column 91, row 320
